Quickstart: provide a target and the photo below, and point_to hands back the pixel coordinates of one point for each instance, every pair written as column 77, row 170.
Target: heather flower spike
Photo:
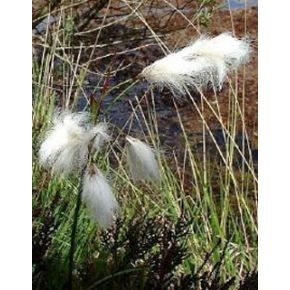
column 205, row 62
column 98, row 197
column 141, row 161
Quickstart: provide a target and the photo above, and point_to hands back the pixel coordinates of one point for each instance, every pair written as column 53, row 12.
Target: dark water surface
column 240, row 4
column 169, row 128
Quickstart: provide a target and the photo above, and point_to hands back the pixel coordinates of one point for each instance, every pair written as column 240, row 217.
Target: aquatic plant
column 203, row 62
column 72, row 141
column 69, row 146
column 149, row 249
column 141, row 161
column 97, row 195
column 65, row 147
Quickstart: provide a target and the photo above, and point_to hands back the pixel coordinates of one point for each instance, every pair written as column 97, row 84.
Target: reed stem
column 74, row 229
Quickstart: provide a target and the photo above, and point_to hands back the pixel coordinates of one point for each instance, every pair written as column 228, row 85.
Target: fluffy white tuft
column 98, row 197
column 65, row 147
column 141, row 161
column 100, row 135
column 204, row 62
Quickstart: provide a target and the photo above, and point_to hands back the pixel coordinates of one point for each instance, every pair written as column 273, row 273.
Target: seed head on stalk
column 205, row 62
column 141, row 161
column 98, row 196
column 65, row 148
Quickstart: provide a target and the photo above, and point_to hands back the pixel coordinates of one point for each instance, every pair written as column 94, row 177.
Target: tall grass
column 214, row 191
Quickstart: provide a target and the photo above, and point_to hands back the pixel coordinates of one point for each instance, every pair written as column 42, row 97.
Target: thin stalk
column 76, row 214
column 74, row 229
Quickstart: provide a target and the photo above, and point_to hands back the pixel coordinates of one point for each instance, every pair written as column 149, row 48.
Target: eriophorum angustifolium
column 141, row 161
column 65, row 147
column 70, row 143
column 100, row 131
column 98, row 197
column 204, row 62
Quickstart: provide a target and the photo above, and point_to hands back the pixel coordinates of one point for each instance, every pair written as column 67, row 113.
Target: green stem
column 74, row 229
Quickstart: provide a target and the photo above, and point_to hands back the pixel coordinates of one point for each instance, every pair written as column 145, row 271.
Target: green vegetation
column 215, row 197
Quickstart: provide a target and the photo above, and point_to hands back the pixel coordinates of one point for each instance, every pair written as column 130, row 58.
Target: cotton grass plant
column 72, row 142
column 65, row 147
column 69, row 146
column 98, row 196
column 205, row 62
column 142, row 161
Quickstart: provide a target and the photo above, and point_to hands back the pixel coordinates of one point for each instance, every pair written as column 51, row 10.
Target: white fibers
column 66, row 145
column 141, row 161
column 204, row 62
column 98, row 197
column 100, row 135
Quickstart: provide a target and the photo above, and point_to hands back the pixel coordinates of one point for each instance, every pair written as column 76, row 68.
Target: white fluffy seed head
column 98, row 197
column 204, row 62
column 100, row 135
column 65, row 147
column 141, row 161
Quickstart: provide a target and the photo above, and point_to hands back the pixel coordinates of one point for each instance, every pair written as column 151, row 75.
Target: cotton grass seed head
column 204, row 62
column 98, row 197
column 141, row 161
column 65, row 147
column 100, row 135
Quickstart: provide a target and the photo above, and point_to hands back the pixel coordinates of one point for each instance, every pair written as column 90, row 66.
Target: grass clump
column 196, row 228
